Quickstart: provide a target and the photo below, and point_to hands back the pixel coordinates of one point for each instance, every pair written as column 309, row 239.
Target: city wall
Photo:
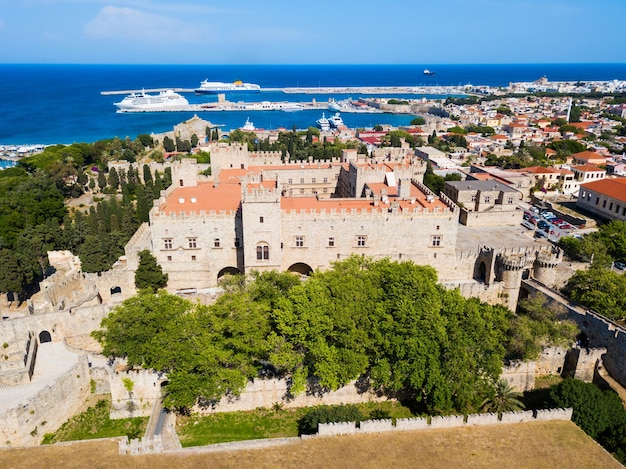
column 267, row 392
column 134, row 393
column 601, row 331
column 26, row 424
column 448, row 421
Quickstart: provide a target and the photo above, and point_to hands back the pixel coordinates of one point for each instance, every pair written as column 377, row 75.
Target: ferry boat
column 292, row 107
column 336, row 120
column 214, row 87
column 165, row 100
column 323, row 123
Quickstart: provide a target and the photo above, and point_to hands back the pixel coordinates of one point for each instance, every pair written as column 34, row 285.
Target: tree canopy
column 387, row 321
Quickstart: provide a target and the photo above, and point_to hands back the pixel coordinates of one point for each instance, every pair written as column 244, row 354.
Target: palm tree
column 504, row 399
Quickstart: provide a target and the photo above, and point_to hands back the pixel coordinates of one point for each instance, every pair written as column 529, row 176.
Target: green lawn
column 95, row 423
column 257, row 424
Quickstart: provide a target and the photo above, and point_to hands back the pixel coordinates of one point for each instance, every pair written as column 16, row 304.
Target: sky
column 312, row 32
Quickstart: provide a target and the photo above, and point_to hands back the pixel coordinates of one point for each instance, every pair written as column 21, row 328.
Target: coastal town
column 483, row 186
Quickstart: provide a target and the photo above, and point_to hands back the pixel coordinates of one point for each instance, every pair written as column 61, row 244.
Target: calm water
column 62, row 103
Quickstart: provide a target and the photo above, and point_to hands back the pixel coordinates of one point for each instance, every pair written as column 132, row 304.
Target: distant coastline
column 49, row 104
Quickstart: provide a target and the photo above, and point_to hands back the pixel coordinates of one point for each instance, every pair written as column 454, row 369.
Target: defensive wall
column 134, row 392
column 155, row 444
column 602, row 333
column 24, row 425
column 448, row 421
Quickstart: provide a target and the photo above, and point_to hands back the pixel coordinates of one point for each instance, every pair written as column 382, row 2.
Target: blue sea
column 62, row 103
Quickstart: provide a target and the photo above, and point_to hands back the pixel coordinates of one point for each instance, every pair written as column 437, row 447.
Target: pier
column 417, row 89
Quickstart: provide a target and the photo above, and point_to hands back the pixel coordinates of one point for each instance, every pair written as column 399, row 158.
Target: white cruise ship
column 214, row 87
column 164, row 101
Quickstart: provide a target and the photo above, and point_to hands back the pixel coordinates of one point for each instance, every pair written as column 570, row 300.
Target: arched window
column 262, row 252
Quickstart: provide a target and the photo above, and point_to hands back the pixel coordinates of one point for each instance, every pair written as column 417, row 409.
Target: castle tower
column 510, row 267
column 544, row 268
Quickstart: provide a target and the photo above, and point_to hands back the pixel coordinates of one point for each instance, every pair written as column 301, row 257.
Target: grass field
column 536, row 445
column 260, row 423
column 94, row 423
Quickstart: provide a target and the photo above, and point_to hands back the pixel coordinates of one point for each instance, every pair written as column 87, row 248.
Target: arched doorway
column 482, row 272
column 301, row 268
column 115, row 290
column 44, row 336
column 228, row 271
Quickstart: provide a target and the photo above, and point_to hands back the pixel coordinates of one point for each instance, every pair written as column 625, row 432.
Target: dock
column 418, row 89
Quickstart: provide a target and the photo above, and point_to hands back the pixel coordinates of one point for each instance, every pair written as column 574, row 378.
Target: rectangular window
column 604, row 203
column 487, row 199
column 301, row 191
column 262, row 253
column 260, row 219
column 510, row 200
column 193, row 258
column 331, row 242
column 301, row 180
column 313, row 181
column 180, row 183
column 611, row 206
column 360, row 241
column 237, row 242
column 436, row 240
column 290, row 181
column 473, row 198
column 193, row 243
column 167, row 243
column 299, row 241
column 169, row 258
column 216, row 242
column 325, row 180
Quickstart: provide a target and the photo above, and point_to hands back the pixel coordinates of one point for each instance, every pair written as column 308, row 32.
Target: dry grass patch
column 534, row 445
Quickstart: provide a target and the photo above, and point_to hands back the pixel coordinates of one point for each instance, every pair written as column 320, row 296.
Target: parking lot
column 546, row 224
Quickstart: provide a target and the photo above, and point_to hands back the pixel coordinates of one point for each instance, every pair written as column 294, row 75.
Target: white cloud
column 113, row 22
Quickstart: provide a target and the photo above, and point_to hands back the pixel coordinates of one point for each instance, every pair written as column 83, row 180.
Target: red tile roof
column 614, row 188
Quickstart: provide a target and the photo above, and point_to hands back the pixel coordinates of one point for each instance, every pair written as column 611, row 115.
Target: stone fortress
column 257, row 212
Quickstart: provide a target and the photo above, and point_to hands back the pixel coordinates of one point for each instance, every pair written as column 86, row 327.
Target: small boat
column 428, row 72
column 292, row 107
column 336, row 120
column 248, row 126
column 323, row 123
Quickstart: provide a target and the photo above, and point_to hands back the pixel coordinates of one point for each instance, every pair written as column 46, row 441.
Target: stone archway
column 228, row 271
column 44, row 336
column 482, row 272
column 301, row 268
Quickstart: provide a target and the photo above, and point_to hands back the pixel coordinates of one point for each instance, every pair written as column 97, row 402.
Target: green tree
column 149, row 274
column 503, row 399
column 113, row 179
column 418, row 121
column 594, row 411
column 168, row 144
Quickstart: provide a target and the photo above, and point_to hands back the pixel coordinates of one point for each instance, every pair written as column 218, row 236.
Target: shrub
column 308, row 424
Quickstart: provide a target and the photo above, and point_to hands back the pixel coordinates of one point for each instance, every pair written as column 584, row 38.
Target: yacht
column 142, row 101
column 292, row 107
column 336, row 120
column 214, row 87
column 323, row 123
column 428, row 72
column 248, row 126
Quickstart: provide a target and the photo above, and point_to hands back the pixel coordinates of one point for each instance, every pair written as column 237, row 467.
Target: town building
column 605, row 198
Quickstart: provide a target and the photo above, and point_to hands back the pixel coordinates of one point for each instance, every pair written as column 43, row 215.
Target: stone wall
column 447, row 421
column 601, row 331
column 48, row 409
column 267, row 392
column 140, row 400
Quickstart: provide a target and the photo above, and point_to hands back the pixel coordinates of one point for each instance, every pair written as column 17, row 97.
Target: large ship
column 214, row 87
column 336, row 121
column 165, row 100
column 323, row 123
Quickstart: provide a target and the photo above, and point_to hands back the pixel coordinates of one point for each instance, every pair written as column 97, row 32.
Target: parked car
column 542, row 224
column 527, row 215
column 541, row 234
column 527, row 224
column 619, row 265
column 534, row 209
